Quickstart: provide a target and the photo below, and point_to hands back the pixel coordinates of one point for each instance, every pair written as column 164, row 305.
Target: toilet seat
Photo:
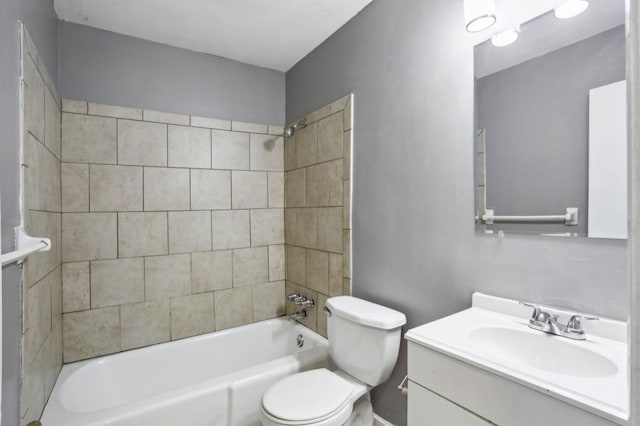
column 315, row 397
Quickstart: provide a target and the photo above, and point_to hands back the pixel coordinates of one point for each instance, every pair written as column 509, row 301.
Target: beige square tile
column 346, row 153
column 88, row 139
column 330, row 138
column 189, row 231
column 339, row 105
column 56, row 296
column 276, row 130
column 276, row 263
column 115, row 188
column 268, row 300
column 290, row 153
column 115, row 111
column 167, row 276
column 142, row 144
column 210, row 189
column 267, row 227
column 336, row 273
column 70, row 105
column 346, row 287
column 241, row 126
column 267, row 153
column 311, row 320
column 37, row 317
column 249, row 190
column 306, row 228
column 346, row 238
column 211, row 271
column 307, row 145
column 142, row 234
column 346, row 210
column 233, row 307
column 347, row 114
column 144, row 324
column 276, row 189
column 52, row 117
column 42, row 191
column 319, row 114
column 296, row 188
column 318, row 271
column 75, row 187
column 192, row 315
column 321, row 302
column 250, row 266
column 318, row 185
column 296, row 264
column 189, row 147
column 165, row 117
column 38, row 265
column 75, row 287
column 336, row 183
column 211, row 123
column 330, row 229
column 116, row 282
column 34, row 92
column 88, row 334
column 89, row 236
column 230, row 150
column 52, row 357
column 32, row 389
column 231, row 229
column 166, row 189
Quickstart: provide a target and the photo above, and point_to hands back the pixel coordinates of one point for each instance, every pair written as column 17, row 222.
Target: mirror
column 550, row 120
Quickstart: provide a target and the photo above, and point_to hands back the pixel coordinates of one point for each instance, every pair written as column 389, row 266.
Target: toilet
column 364, row 339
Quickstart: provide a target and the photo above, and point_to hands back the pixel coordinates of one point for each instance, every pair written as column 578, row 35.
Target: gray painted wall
column 105, row 67
column 42, row 23
column 414, row 245
column 536, row 116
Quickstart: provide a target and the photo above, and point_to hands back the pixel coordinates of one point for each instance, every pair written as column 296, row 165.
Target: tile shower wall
column 173, row 226
column 318, row 209
column 41, row 204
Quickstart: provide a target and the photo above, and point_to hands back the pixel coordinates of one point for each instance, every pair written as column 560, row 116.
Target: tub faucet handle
column 293, row 296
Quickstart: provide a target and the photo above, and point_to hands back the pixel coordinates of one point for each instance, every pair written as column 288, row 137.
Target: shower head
column 289, row 131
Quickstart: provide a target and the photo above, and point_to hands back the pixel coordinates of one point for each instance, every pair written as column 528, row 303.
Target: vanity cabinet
column 446, row 391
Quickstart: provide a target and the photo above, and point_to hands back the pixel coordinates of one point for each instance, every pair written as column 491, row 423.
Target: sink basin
column 542, row 351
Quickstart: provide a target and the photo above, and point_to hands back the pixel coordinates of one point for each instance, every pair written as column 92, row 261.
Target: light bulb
column 570, row 8
column 479, row 14
column 505, row 38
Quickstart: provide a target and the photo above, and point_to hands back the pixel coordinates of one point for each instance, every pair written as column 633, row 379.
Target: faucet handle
column 536, row 308
column 538, row 315
column 575, row 323
column 293, row 296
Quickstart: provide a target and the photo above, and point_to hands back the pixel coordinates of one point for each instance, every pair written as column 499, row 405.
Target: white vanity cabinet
column 519, row 377
column 444, row 391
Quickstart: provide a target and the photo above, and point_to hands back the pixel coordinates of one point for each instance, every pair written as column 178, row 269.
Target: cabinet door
column 428, row 409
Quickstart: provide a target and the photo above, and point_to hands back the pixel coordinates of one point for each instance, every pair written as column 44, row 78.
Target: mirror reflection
column 550, row 114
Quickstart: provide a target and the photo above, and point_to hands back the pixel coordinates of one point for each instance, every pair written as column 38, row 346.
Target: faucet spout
column 298, row 315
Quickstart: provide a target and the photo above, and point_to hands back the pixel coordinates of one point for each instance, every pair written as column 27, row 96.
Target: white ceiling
column 273, row 34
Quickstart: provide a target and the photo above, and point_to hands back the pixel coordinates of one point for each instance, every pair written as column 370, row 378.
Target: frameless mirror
column 550, row 120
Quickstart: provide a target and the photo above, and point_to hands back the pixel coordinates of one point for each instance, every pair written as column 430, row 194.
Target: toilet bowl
column 364, row 339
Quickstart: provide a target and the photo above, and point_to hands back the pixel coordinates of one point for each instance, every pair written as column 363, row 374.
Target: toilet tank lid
column 365, row 313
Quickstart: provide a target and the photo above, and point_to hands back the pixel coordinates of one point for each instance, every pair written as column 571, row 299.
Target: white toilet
column 364, row 339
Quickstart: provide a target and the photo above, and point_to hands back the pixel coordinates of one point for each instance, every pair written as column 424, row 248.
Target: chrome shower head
column 289, row 131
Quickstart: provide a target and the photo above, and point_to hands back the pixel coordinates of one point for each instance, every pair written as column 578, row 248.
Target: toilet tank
column 364, row 338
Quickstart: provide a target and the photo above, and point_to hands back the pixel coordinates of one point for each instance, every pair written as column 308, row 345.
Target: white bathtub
column 214, row 379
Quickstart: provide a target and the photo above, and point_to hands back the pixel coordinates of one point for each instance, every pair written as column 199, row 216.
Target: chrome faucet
column 548, row 323
column 298, row 315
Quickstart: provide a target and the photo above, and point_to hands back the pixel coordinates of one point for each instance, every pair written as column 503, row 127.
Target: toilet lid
column 307, row 396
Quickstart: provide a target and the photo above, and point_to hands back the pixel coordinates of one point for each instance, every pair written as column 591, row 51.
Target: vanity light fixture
column 479, row 14
column 506, row 38
column 570, row 8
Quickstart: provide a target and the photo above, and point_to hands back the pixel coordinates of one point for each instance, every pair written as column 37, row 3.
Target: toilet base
column 362, row 414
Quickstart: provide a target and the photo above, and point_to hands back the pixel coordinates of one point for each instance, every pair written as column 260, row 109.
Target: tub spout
column 298, row 315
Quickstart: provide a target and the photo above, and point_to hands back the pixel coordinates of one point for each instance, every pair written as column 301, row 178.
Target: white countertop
column 606, row 396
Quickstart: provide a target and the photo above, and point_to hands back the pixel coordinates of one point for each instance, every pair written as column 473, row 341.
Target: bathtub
column 213, row 379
